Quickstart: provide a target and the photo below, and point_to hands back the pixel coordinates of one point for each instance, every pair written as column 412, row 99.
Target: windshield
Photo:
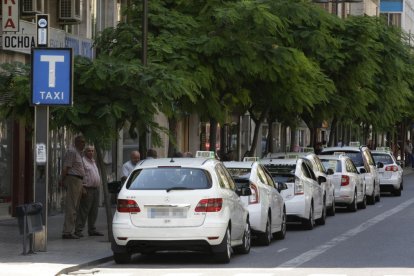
column 173, row 178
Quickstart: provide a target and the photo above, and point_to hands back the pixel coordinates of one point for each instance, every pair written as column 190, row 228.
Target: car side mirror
column 362, row 170
column 281, row 186
column 380, row 165
column 114, row 187
column 321, row 179
column 243, row 191
column 330, row 171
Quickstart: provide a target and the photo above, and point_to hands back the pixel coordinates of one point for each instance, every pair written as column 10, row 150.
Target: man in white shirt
column 130, row 165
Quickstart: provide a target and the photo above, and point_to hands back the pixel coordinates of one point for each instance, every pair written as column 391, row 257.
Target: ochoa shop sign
column 18, row 41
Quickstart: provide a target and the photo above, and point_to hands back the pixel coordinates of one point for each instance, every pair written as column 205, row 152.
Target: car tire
column 223, row 253
column 122, row 258
column 353, row 205
column 244, row 248
column 363, row 204
column 266, row 237
column 371, row 198
column 378, row 197
column 322, row 219
column 282, row 233
column 331, row 211
column 309, row 223
column 397, row 192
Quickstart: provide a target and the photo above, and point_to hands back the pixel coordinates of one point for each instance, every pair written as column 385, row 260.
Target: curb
column 70, row 269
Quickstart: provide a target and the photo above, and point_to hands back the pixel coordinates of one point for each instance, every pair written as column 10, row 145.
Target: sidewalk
column 61, row 257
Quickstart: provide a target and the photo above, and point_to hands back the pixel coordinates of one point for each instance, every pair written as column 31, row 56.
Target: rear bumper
column 390, row 184
column 143, row 239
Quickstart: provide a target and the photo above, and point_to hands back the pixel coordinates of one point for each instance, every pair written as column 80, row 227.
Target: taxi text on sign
column 52, row 76
column 10, row 15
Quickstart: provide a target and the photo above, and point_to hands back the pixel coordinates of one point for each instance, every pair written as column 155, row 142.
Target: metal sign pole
column 41, row 169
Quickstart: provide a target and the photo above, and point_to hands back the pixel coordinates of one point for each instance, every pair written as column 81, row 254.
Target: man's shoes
column 95, row 233
column 70, row 237
column 79, row 234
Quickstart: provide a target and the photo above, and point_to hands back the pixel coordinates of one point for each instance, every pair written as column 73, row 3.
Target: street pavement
column 61, row 256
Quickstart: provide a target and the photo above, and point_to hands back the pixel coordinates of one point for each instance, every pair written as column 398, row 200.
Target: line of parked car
column 202, row 204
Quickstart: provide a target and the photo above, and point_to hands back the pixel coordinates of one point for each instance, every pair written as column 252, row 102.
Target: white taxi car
column 391, row 175
column 349, row 183
column 304, row 195
column 363, row 160
column 265, row 204
column 180, row 204
column 327, row 187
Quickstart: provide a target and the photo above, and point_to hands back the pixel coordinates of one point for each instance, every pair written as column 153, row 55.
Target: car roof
column 333, row 157
column 238, row 164
column 170, row 162
column 339, row 149
column 269, row 161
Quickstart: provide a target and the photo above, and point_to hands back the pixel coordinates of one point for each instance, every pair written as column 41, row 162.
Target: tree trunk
column 269, row 140
column 213, row 134
column 107, row 203
column 332, row 134
column 172, row 141
column 292, row 138
column 143, row 143
column 258, row 124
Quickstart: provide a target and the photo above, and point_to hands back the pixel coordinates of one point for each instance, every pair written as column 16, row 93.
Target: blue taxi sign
column 52, row 75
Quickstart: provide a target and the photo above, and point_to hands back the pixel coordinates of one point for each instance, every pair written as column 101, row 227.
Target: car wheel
column 266, row 237
column 378, row 197
column 322, row 219
column 122, row 258
column 309, row 223
column 401, row 186
column 363, row 204
column 353, row 206
column 282, row 233
column 397, row 192
column 371, row 198
column 245, row 247
column 223, row 254
column 331, row 211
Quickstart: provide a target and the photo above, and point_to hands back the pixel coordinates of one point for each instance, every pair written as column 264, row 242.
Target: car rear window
column 169, row 178
column 356, row 157
column 240, row 172
column 242, row 182
column 335, row 165
column 282, row 173
column 384, row 158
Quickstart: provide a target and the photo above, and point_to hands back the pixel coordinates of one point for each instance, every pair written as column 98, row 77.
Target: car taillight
column 254, row 197
column 299, row 189
column 392, row 168
column 127, row 206
column 344, row 180
column 209, row 205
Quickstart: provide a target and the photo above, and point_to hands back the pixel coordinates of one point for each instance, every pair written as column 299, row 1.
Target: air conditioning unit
column 32, row 6
column 70, row 11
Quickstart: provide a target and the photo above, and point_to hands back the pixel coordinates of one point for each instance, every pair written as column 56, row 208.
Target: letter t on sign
column 52, row 67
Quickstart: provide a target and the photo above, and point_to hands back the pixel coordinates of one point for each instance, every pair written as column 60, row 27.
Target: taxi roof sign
column 337, row 153
column 251, row 159
column 205, row 154
column 386, row 149
column 354, row 144
column 307, row 149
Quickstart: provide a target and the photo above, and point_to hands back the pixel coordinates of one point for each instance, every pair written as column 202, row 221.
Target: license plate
column 167, row 213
